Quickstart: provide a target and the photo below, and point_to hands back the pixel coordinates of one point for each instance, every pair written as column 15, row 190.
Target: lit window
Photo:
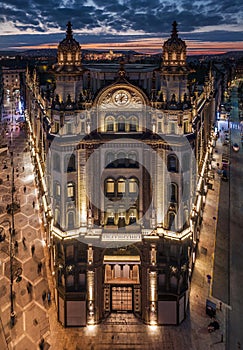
column 57, row 189
column 121, row 188
column 133, row 187
column 109, row 124
column 121, row 124
column 70, row 190
column 133, row 124
column 110, row 186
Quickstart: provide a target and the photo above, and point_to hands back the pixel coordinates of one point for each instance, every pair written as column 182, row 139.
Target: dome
column 69, row 52
column 174, row 49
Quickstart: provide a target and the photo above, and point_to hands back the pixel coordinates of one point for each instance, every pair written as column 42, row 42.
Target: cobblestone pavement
column 36, row 319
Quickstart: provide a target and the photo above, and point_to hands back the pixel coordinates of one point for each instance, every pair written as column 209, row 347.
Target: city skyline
column 207, row 27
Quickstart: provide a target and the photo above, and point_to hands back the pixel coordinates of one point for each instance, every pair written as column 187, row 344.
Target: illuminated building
column 126, row 150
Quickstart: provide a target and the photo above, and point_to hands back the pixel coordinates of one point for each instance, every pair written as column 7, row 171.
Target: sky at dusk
column 208, row 26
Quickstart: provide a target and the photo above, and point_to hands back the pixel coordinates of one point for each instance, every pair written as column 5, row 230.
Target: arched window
column 69, row 56
column 109, row 160
column 71, row 191
column 172, row 163
column 109, row 124
column 133, row 125
column 171, row 221
column 186, row 162
column 57, row 217
column 56, row 189
column 133, row 186
column 56, row 162
column 121, row 160
column 70, row 164
column 109, row 187
column 121, row 126
column 121, row 217
column 70, row 220
column 132, row 216
column 133, row 163
column 173, row 193
column 121, row 186
column 110, row 217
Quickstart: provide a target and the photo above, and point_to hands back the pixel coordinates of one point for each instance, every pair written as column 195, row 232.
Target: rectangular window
column 57, row 127
column 58, row 190
column 159, row 127
column 69, row 251
column 69, row 128
column 121, row 186
column 172, row 128
column 110, row 187
column 132, row 187
column 70, row 190
column 185, row 127
column 82, row 127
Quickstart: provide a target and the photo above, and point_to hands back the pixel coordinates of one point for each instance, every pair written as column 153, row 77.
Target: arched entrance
column 122, row 280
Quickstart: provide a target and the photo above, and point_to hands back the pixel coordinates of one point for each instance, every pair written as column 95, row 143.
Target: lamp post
column 12, row 233
column 11, row 255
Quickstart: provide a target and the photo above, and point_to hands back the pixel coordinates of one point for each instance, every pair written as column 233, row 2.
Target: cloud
column 118, row 17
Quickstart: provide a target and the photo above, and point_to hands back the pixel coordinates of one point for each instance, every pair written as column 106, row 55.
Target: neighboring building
column 127, row 150
column 13, row 81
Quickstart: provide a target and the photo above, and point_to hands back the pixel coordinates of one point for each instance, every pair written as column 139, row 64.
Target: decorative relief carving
column 121, row 98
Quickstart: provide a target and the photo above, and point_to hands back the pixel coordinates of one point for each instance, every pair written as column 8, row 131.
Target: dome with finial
column 174, row 49
column 69, row 52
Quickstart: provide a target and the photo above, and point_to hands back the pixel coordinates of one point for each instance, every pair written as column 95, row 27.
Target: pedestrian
column 33, row 204
column 23, row 241
column 220, row 306
column 39, row 267
column 23, row 168
column 49, row 297
column 42, row 344
column 7, row 177
column 44, row 296
column 24, row 189
column 32, row 249
column 16, row 246
column 29, row 288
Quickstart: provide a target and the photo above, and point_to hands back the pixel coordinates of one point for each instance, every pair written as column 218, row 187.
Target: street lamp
column 11, row 255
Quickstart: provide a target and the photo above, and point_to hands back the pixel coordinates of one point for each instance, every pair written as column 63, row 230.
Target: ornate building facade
column 122, row 154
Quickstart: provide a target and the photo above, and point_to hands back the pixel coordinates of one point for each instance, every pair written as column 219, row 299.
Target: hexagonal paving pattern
column 4, row 290
column 22, row 298
column 17, row 265
column 30, row 234
column 39, row 288
column 30, row 270
column 25, row 343
column 27, row 209
column 34, row 221
column 36, row 321
column 6, row 198
column 21, row 220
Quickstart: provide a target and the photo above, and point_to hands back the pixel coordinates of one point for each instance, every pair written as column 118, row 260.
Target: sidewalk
column 31, row 310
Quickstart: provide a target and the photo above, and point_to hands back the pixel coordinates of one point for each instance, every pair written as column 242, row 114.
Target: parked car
column 236, row 147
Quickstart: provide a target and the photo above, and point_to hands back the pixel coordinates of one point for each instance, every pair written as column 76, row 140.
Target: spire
column 69, row 30
column 122, row 69
column 174, row 30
